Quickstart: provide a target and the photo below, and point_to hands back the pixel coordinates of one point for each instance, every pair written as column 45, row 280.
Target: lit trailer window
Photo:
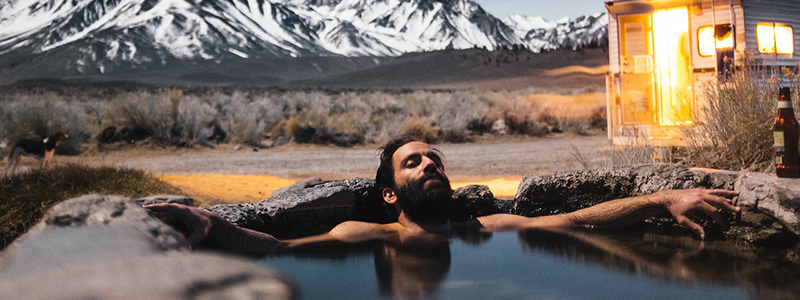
column 775, row 38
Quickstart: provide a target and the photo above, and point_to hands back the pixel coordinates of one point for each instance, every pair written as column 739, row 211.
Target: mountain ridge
column 103, row 37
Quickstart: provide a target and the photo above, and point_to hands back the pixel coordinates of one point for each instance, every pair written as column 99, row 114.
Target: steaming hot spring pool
column 543, row 265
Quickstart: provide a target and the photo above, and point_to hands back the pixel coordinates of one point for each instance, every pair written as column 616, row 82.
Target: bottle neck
column 785, row 110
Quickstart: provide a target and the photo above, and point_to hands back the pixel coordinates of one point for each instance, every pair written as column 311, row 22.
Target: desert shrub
column 153, row 114
column 27, row 195
column 421, row 129
column 196, row 122
column 735, row 134
column 521, row 122
column 245, row 123
column 35, row 117
column 342, row 118
column 345, row 129
column 307, row 126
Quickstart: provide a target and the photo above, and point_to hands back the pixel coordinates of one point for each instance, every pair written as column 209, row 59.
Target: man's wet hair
column 384, row 178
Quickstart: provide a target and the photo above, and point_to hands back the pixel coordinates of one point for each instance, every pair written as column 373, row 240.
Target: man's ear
column 389, row 196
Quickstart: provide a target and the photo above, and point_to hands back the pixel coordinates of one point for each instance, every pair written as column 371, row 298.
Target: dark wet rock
column 157, row 199
column 472, row 201
column 769, row 219
column 296, row 212
column 758, row 229
column 565, row 192
column 369, row 203
column 716, row 179
column 305, row 183
column 308, row 208
column 109, row 247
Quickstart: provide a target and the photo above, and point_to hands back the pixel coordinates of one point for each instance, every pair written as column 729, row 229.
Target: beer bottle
column 786, row 130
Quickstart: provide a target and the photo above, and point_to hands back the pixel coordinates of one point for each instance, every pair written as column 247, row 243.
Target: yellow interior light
column 707, row 43
column 672, row 74
column 775, row 38
column 784, row 39
column 726, row 41
column 765, row 33
column 705, row 40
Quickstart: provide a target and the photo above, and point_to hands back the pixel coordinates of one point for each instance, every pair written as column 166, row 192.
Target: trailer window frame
column 700, row 40
column 706, row 36
column 775, row 49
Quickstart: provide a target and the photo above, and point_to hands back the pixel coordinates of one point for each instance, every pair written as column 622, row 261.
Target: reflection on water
column 411, row 272
column 763, row 275
column 538, row 264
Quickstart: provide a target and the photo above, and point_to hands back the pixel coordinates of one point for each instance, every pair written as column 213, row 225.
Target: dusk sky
column 549, row 9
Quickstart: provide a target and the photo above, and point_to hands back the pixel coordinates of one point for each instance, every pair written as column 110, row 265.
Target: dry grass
column 342, row 118
column 26, row 196
column 736, row 134
column 733, row 131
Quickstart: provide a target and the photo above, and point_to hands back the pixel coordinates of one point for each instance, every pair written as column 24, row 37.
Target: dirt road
column 516, row 157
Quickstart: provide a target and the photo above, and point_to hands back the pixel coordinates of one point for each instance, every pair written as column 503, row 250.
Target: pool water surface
column 540, row 265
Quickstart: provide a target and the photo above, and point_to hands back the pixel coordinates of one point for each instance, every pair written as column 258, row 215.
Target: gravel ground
column 510, row 156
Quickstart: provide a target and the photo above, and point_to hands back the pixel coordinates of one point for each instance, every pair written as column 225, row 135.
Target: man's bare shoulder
column 352, row 231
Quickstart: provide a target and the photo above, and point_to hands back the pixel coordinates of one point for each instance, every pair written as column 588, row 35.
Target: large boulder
column 299, row 211
column 472, row 201
column 769, row 218
column 109, row 247
column 570, row 191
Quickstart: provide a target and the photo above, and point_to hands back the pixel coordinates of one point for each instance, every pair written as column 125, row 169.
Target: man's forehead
column 414, row 148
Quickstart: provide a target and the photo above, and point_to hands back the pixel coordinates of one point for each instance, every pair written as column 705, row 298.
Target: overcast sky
column 549, row 9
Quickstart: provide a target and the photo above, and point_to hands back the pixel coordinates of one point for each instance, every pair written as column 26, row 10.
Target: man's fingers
column 711, row 211
column 724, row 193
column 722, row 203
column 688, row 223
column 195, row 222
column 197, row 235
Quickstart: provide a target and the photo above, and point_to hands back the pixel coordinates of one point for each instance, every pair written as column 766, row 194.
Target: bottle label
column 778, row 138
column 779, row 160
column 784, row 104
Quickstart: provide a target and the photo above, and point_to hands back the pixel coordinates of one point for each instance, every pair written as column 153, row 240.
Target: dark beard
column 420, row 206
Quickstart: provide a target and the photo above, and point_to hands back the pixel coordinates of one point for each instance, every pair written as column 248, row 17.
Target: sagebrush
column 253, row 117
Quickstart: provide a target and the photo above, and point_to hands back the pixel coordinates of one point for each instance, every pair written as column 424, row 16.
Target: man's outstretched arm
column 627, row 211
column 202, row 227
column 207, row 229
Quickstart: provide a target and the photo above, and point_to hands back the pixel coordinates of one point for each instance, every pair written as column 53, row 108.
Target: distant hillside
column 562, row 71
column 558, row 71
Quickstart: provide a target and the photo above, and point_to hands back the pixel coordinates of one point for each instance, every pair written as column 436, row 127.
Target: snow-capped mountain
column 102, row 35
column 542, row 35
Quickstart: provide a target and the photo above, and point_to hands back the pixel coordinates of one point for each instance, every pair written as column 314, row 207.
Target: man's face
column 421, row 185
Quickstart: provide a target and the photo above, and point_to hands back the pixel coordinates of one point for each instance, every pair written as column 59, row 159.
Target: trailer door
column 636, row 57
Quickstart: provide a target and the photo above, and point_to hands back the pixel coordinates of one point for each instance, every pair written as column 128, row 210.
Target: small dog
column 41, row 150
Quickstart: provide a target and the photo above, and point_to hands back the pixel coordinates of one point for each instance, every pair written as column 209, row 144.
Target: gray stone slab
column 109, row 247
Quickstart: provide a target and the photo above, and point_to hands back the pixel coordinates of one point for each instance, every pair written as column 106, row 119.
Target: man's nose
column 430, row 165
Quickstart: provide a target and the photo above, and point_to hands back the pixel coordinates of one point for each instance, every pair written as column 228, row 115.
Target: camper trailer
column 663, row 52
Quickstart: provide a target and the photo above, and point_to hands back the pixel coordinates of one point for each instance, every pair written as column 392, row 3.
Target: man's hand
column 682, row 204
column 197, row 222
